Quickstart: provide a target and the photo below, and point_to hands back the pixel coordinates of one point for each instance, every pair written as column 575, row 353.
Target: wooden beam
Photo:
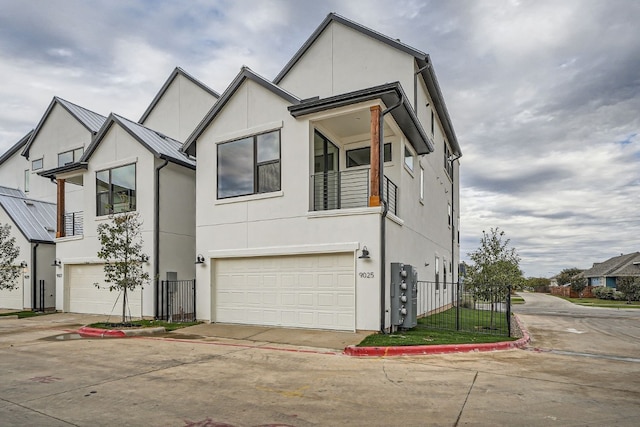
column 60, row 209
column 374, row 171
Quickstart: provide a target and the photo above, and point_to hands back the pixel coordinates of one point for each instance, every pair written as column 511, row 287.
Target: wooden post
column 60, row 209
column 374, row 171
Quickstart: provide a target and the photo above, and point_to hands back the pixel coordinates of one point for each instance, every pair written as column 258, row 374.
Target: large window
column 116, row 190
column 70, row 156
column 250, row 165
column 362, row 156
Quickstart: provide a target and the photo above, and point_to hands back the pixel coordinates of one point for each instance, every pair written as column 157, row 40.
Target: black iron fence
column 176, row 300
column 452, row 306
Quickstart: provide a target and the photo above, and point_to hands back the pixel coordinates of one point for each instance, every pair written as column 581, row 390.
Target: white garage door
column 304, row 291
column 85, row 297
column 12, row 298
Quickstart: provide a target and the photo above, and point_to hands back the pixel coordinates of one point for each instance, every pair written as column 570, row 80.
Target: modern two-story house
column 310, row 185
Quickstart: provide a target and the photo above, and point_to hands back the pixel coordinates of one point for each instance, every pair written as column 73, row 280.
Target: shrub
column 603, row 292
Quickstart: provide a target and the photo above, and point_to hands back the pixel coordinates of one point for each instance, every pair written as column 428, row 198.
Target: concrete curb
column 12, row 316
column 89, row 332
column 417, row 350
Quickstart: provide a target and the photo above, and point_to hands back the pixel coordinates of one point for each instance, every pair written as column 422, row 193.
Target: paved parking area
column 51, row 379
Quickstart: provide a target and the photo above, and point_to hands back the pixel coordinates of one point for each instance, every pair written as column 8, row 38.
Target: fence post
column 194, row 301
column 509, row 309
column 458, row 300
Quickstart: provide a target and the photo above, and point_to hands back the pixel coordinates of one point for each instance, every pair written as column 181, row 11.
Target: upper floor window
column 249, row 166
column 26, row 180
column 116, row 190
column 421, row 183
column 70, row 156
column 409, row 158
column 448, row 163
column 362, row 156
column 449, row 211
column 433, row 123
column 36, row 164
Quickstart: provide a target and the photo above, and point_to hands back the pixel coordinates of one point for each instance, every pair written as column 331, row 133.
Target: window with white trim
column 409, row 158
column 70, row 156
column 37, row 164
column 421, row 183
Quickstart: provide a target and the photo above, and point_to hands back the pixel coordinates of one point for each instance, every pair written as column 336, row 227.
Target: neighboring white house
column 288, row 192
column 33, row 226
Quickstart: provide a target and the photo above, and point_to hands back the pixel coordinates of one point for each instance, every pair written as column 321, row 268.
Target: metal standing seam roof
column 35, row 219
column 160, row 145
column 90, row 120
column 16, row 147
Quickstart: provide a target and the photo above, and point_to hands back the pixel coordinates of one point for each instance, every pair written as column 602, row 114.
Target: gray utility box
column 404, row 295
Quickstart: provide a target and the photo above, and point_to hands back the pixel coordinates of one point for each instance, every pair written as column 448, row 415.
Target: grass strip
column 143, row 324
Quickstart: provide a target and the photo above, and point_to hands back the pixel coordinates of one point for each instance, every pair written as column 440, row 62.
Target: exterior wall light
column 365, row 253
column 144, row 258
column 56, row 263
column 23, row 264
column 199, row 259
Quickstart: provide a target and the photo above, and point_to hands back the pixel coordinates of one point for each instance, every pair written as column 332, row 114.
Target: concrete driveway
column 49, row 378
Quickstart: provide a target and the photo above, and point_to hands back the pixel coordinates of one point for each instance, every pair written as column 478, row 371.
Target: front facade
column 290, row 215
column 607, row 273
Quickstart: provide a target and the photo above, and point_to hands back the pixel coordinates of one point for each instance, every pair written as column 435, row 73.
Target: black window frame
column 73, row 155
column 256, row 165
column 387, row 149
column 110, row 204
column 34, row 162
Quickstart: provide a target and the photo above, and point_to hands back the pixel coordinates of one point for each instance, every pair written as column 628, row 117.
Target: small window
column 26, row 180
column 70, row 156
column 362, row 156
column 408, row 158
column 449, row 211
column 433, row 123
column 421, row 183
column 437, row 271
column 249, row 166
column 36, row 164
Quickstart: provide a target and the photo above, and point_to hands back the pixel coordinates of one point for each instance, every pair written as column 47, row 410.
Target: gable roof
column 16, row 147
column 35, row 219
column 622, row 265
column 175, row 73
column 90, row 120
column 422, row 59
column 245, row 74
column 390, row 94
column 160, row 145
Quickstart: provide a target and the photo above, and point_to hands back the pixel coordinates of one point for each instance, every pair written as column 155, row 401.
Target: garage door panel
column 310, row 291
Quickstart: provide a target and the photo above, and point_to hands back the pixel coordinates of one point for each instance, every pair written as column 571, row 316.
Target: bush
column 603, row 292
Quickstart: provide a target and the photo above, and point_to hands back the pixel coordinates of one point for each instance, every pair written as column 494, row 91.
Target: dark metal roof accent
column 175, row 73
column 160, row 145
column 389, row 93
column 16, row 147
column 54, row 172
column 35, row 219
column 245, row 74
column 90, row 120
column 422, row 60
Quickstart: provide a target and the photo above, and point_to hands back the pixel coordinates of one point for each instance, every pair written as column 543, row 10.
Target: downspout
column 415, row 86
column 34, row 275
column 383, row 217
column 156, row 237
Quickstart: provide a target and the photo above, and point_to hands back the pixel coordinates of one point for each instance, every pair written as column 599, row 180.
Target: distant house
column 607, row 273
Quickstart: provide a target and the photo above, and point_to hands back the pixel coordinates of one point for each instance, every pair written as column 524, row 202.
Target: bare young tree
column 121, row 250
column 9, row 251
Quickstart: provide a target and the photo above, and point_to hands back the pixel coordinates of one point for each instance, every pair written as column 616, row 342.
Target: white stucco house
column 294, row 175
column 33, row 227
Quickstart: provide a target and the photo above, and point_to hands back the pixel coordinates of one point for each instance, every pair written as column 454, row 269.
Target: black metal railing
column 348, row 189
column 482, row 309
column 176, row 300
column 73, row 223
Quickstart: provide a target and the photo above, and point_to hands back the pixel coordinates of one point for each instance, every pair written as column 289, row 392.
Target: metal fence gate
column 38, row 297
column 176, row 300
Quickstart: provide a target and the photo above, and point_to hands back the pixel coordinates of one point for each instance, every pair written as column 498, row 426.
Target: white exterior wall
column 343, row 60
column 59, row 133
column 180, row 110
column 117, row 148
column 276, row 223
column 177, row 221
column 12, row 172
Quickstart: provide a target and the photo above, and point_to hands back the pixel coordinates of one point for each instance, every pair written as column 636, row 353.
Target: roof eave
column 71, row 167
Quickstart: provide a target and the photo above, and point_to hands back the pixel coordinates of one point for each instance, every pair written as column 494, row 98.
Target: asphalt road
column 51, row 379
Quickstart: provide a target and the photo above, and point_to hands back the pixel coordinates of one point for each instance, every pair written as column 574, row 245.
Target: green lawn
column 595, row 302
column 144, row 324
column 23, row 314
column 474, row 321
column 517, row 300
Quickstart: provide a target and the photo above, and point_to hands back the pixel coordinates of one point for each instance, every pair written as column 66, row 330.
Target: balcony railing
column 73, row 223
column 348, row 189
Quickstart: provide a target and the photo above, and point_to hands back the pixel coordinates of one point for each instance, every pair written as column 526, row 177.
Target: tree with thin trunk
column 9, row 251
column 121, row 250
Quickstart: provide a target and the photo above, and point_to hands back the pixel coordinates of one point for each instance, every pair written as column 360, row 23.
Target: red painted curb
column 416, row 350
column 87, row 331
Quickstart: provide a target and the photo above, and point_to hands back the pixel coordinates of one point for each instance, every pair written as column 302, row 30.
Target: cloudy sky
column 544, row 95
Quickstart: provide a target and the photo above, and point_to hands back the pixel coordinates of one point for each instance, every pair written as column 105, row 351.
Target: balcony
column 348, row 189
column 73, row 224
